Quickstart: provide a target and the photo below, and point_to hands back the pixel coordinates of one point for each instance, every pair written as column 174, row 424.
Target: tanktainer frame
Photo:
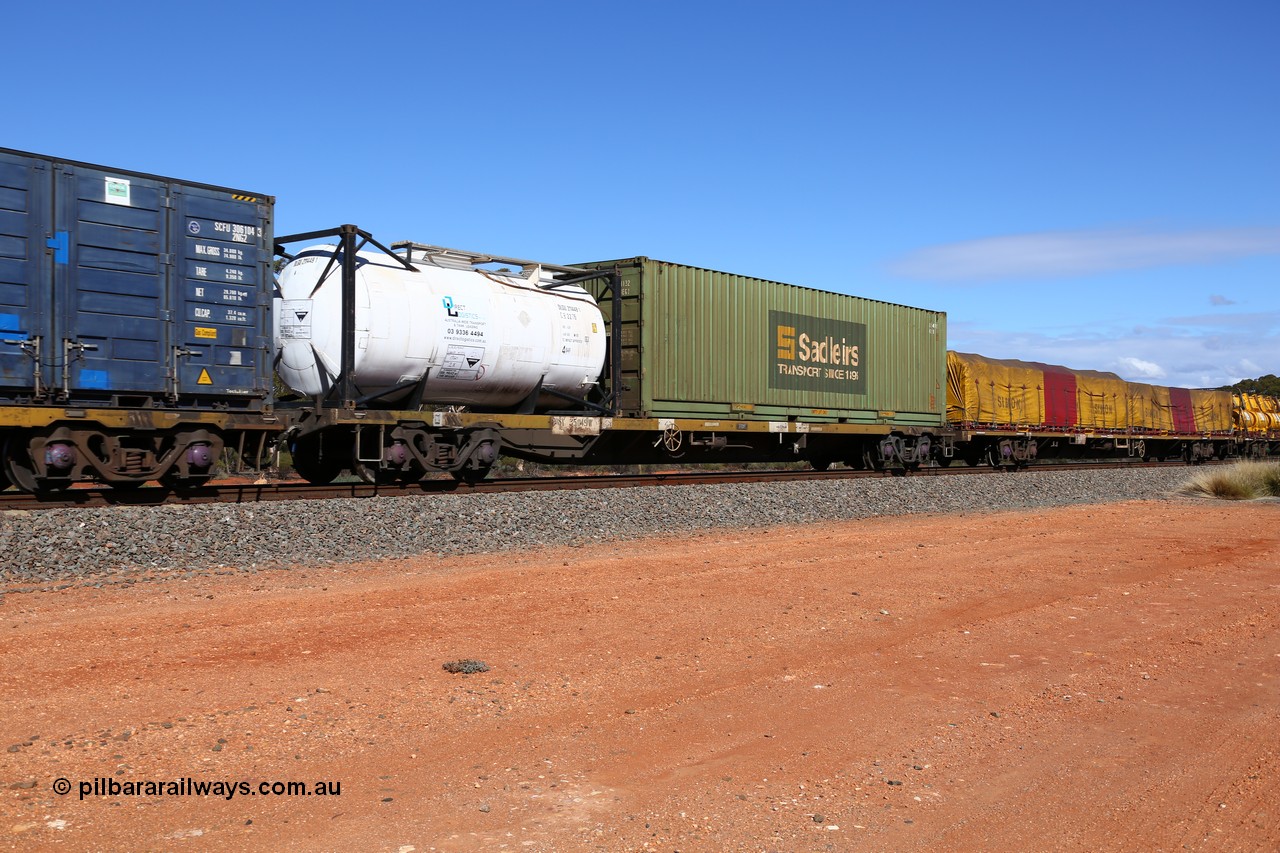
column 341, row 429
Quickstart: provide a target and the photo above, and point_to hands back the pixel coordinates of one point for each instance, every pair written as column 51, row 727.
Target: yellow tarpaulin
column 993, row 391
column 1011, row 393
column 1212, row 410
column 1149, row 407
column 1102, row 400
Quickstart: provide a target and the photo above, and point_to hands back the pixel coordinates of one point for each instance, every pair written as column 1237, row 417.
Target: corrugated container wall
column 699, row 343
column 129, row 289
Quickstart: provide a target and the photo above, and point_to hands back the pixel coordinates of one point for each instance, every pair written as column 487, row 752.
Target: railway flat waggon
column 734, row 366
column 133, row 324
column 1008, row 412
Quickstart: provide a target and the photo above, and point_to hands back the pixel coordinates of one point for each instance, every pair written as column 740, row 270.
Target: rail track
column 285, row 490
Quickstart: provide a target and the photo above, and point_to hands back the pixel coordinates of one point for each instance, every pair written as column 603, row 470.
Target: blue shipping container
column 122, row 288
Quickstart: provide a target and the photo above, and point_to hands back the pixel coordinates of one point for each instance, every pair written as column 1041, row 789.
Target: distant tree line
column 1269, row 385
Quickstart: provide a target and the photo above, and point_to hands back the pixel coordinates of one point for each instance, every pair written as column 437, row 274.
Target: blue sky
column 1095, row 184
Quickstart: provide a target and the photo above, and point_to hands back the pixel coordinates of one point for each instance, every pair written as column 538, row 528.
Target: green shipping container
column 699, row 343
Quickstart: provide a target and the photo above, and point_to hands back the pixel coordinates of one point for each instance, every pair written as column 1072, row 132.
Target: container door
column 221, row 313
column 25, row 188
column 629, row 400
column 110, row 291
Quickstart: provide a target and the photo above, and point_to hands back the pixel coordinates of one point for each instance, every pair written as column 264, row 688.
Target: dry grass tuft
column 1238, row 482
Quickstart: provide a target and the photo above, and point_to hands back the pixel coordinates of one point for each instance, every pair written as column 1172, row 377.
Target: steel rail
column 282, row 490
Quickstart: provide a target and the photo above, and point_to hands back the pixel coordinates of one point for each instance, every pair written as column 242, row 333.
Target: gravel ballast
column 61, row 545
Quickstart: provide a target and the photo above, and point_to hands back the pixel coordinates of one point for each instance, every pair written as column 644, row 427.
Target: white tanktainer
column 461, row 334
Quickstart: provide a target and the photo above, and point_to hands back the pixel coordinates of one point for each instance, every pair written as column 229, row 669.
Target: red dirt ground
column 1091, row 678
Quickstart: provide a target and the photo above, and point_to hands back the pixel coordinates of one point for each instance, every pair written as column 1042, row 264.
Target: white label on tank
column 666, row 423
column 463, row 375
column 116, row 191
column 801, row 426
column 235, row 357
column 462, row 357
column 778, row 426
column 295, row 319
column 461, row 362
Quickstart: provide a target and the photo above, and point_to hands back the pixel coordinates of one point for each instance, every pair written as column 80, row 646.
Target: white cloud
column 1050, row 254
column 1168, row 353
column 1141, row 368
column 1215, row 299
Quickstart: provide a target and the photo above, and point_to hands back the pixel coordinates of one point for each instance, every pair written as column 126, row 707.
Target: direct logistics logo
column 458, row 310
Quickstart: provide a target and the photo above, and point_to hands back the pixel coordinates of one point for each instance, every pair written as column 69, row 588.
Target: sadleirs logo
column 817, row 354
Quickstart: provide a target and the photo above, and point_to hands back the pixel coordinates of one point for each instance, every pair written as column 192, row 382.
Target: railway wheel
column 371, row 473
column 18, row 466
column 471, row 474
column 313, row 464
column 477, row 457
column 400, row 466
column 172, row 479
column 20, row 469
column 194, row 468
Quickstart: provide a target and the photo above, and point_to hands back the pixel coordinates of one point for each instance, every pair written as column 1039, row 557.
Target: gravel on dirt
column 107, row 545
